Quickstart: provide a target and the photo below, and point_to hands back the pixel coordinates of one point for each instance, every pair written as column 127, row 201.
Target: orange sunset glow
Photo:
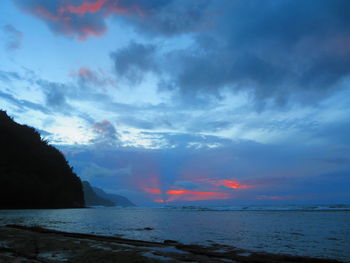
column 227, row 183
column 152, row 191
column 208, row 189
column 84, row 7
column 185, row 192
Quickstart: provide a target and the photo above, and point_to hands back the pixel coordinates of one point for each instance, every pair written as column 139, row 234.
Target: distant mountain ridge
column 92, row 199
column 97, row 197
column 34, row 174
column 118, row 200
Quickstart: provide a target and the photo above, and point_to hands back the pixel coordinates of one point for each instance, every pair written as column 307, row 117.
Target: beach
column 35, row 244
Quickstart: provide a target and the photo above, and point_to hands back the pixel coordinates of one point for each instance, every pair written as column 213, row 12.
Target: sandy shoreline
column 35, row 244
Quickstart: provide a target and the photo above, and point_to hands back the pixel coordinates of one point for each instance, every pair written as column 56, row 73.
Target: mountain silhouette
column 118, row 200
column 34, row 174
column 92, row 199
column 97, row 197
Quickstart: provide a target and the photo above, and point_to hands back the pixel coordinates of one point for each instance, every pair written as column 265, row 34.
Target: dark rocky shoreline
column 38, row 245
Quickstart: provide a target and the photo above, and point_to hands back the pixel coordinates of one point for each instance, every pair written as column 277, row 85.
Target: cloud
column 55, row 96
column 70, row 18
column 152, row 190
column 106, row 134
column 274, row 51
column 92, row 170
column 7, row 76
column 240, row 172
column 233, row 184
column 83, row 18
column 13, row 37
column 86, row 76
column 277, row 54
column 336, row 132
column 161, row 17
column 133, row 61
column 22, row 104
column 47, row 97
column 187, row 141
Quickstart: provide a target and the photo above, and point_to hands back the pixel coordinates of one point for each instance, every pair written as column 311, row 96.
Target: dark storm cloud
column 276, row 51
column 279, row 50
column 13, row 37
column 135, row 60
column 169, row 18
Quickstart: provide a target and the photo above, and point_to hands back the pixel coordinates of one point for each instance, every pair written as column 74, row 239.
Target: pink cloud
column 152, row 190
column 97, row 78
column 224, row 182
column 83, row 8
column 186, row 192
column 79, row 21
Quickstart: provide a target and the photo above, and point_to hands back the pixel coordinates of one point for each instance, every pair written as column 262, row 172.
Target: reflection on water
column 308, row 233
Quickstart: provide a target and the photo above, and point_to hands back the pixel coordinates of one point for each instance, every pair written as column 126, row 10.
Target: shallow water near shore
column 304, row 232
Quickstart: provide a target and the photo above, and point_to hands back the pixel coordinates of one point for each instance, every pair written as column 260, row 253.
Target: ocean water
column 317, row 231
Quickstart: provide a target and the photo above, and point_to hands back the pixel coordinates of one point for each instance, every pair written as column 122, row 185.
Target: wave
column 337, row 207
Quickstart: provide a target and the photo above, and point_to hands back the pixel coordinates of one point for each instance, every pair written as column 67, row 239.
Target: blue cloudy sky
column 197, row 102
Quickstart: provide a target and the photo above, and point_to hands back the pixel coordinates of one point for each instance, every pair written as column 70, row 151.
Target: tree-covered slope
column 118, row 200
column 34, row 174
column 92, row 199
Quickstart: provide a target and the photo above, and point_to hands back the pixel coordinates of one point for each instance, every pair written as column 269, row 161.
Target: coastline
column 36, row 244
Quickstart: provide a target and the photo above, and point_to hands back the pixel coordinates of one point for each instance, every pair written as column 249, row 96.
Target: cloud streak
column 13, row 37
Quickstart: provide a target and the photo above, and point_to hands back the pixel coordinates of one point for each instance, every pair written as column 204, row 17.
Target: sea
column 317, row 231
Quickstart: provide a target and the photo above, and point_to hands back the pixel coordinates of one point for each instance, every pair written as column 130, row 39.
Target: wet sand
column 38, row 245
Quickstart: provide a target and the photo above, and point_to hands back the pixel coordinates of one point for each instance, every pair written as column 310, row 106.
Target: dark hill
column 118, row 200
column 97, row 197
column 34, row 174
column 92, row 199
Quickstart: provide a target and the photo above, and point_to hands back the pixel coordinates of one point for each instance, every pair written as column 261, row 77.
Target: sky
column 201, row 102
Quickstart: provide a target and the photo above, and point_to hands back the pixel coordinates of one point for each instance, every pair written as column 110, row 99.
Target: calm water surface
column 323, row 234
